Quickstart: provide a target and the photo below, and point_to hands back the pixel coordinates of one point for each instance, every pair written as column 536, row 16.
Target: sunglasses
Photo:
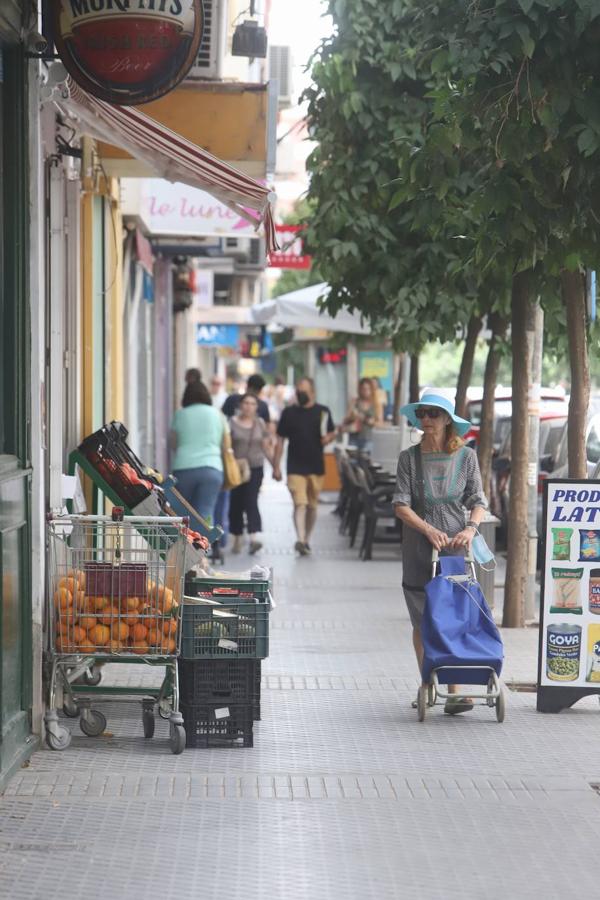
column 425, row 412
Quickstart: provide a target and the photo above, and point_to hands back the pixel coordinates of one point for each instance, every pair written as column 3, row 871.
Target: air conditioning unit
column 280, row 70
column 256, row 257
column 209, row 61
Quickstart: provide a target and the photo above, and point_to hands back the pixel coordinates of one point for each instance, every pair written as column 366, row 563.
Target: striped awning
column 171, row 155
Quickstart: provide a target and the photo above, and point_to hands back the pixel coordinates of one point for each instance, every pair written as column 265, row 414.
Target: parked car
column 552, row 400
column 552, row 424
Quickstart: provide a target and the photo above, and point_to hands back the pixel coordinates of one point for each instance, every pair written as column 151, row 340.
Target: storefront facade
column 16, row 624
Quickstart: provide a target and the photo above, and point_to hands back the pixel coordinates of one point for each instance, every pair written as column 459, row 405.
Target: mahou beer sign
column 128, row 51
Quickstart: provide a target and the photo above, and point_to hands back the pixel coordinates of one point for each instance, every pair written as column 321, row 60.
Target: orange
column 78, row 575
column 88, row 606
column 115, row 646
column 99, row 634
column 88, row 622
column 140, row 647
column 63, row 598
column 131, row 618
column 171, row 646
column 66, row 645
column 101, row 603
column 154, row 637
column 139, row 633
column 86, row 648
column 130, row 603
column 110, row 615
column 119, row 631
column 70, row 583
column 170, row 627
column 80, row 600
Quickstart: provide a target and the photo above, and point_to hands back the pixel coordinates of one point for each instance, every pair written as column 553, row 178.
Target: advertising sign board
column 127, row 51
column 569, row 648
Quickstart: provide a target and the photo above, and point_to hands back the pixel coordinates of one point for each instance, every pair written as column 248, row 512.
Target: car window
column 551, row 436
column 561, row 458
column 592, row 447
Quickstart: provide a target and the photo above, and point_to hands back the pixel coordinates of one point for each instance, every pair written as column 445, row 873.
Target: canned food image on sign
column 593, row 654
column 563, row 651
column 594, row 591
column 128, row 51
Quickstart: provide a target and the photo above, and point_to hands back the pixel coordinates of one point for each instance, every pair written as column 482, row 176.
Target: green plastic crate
column 237, row 629
column 223, row 589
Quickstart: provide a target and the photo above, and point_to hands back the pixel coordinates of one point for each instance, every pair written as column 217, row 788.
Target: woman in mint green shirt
column 197, row 436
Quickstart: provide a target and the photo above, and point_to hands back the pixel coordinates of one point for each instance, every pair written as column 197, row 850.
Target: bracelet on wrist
column 473, row 525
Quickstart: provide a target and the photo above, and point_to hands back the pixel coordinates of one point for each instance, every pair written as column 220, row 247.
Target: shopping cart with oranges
column 115, row 591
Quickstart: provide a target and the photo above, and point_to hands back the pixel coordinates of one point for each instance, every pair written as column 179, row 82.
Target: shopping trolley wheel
column 431, row 695
column 70, row 708
column 165, row 708
column 148, row 723
column 177, row 739
column 422, row 702
column 59, row 739
column 93, row 676
column 92, row 722
column 500, row 706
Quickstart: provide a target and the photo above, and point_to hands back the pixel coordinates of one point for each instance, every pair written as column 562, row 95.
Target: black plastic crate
column 216, row 680
column 217, row 724
column 213, row 680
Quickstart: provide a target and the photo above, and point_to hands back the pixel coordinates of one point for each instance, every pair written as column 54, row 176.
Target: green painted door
column 15, row 567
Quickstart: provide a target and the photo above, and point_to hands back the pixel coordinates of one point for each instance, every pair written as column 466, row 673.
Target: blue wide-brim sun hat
column 461, row 425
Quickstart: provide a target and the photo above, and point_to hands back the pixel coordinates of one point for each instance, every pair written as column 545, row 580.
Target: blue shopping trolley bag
column 458, row 628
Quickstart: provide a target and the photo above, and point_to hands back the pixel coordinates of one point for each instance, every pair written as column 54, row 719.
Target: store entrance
column 15, row 591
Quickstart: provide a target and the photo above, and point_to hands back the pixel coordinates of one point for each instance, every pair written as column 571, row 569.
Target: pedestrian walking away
column 251, row 442
column 308, row 427
column 196, row 437
column 446, row 474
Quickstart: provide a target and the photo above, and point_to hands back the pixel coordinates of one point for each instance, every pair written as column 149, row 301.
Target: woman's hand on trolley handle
column 438, row 539
column 463, row 540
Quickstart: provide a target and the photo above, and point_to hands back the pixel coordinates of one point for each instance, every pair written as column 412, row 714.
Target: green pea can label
column 563, row 651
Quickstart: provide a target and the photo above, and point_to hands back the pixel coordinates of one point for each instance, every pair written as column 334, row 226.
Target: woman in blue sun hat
column 453, row 498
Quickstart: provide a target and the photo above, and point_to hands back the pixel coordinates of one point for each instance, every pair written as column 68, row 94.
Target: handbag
column 232, row 477
column 243, row 464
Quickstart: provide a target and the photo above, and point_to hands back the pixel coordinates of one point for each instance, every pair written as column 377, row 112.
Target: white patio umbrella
column 298, row 309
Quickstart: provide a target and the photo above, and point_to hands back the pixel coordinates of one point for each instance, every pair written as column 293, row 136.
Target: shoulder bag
column 232, row 477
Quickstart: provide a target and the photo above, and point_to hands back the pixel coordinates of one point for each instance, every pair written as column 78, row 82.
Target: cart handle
column 135, row 520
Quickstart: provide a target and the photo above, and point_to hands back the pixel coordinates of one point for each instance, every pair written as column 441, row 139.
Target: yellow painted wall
column 228, row 120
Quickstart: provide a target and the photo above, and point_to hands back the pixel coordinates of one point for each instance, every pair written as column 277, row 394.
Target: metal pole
column 535, row 330
column 404, row 399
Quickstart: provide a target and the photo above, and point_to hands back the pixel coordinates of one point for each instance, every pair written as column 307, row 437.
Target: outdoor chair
column 377, row 508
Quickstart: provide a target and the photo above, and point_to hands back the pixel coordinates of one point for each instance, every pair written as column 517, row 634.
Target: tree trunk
column 497, row 325
column 414, row 388
column 573, row 292
column 516, row 568
column 398, row 387
column 466, row 365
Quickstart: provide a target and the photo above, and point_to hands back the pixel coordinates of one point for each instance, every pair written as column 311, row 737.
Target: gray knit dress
column 452, row 486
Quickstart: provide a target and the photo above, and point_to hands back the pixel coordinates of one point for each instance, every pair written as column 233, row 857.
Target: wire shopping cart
column 115, row 595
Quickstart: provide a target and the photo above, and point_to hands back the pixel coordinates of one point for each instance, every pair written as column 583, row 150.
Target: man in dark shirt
column 308, row 427
column 255, row 385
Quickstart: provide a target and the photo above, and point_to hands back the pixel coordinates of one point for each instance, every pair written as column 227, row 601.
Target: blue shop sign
column 218, row 335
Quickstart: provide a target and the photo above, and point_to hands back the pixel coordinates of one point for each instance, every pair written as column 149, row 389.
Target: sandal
column 453, row 707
